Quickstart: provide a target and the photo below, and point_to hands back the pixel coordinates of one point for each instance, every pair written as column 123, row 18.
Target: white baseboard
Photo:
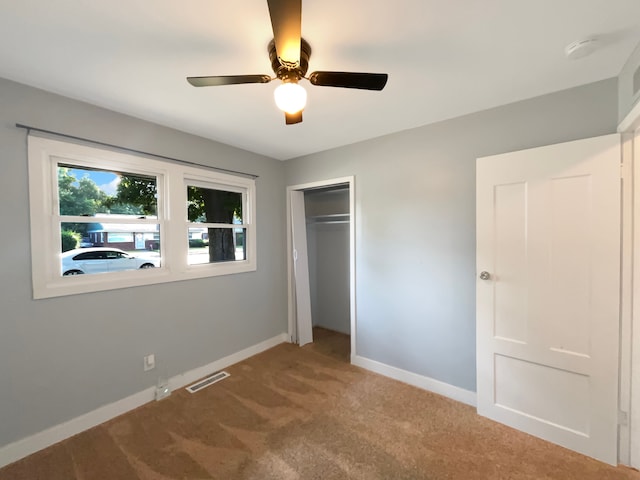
column 420, row 381
column 20, row 449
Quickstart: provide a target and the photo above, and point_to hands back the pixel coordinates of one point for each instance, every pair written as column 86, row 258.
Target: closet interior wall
column 327, row 216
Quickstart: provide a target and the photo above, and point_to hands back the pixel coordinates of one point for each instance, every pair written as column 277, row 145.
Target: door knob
column 485, row 275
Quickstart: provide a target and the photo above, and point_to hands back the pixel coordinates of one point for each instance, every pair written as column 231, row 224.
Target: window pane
column 240, row 234
column 90, row 192
column 125, row 236
column 214, row 245
column 108, row 247
column 208, row 205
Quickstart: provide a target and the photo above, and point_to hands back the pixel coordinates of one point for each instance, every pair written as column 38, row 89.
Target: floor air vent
column 205, row 382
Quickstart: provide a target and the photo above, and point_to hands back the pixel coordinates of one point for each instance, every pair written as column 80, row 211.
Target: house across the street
column 126, row 236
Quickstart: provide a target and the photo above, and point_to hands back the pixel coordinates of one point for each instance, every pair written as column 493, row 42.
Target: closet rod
column 133, row 150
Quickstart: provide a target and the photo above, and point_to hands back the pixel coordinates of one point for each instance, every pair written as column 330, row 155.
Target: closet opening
column 321, row 273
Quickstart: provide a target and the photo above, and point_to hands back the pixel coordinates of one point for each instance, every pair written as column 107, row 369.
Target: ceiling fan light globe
column 290, row 97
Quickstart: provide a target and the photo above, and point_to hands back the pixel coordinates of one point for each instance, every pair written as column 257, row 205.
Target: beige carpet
column 304, row 413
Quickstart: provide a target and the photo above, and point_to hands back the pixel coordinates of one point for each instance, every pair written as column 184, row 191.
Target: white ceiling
column 444, row 58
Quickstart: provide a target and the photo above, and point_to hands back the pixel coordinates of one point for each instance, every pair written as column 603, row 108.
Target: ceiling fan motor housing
column 290, row 72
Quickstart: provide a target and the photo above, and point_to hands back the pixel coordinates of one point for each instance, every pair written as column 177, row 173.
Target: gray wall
column 415, row 241
column 63, row 357
column 626, row 97
column 415, row 222
column 328, row 252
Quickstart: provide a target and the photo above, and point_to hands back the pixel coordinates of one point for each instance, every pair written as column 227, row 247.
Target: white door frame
column 352, row 253
column 629, row 433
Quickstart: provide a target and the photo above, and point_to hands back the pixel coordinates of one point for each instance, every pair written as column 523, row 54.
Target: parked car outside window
column 102, row 260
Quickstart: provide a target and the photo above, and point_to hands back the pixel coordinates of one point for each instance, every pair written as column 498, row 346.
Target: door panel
column 531, row 397
column 304, row 322
column 548, row 231
column 510, row 261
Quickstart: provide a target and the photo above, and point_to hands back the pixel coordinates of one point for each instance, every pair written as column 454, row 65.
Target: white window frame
column 44, row 154
column 212, row 184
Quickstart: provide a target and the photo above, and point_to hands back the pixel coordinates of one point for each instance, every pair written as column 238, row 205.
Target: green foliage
column 123, row 208
column 78, row 196
column 136, row 195
column 80, row 228
column 240, row 240
column 82, row 197
column 195, row 205
column 70, row 240
column 197, row 243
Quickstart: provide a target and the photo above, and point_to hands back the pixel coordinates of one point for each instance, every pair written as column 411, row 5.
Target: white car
column 102, row 260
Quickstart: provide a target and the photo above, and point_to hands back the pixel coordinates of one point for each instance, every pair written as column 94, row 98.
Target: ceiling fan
column 289, row 54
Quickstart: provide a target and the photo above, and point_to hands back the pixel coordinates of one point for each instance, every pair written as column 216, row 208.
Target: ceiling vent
column 205, row 382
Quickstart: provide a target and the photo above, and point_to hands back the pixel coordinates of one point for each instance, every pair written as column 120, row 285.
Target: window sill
column 83, row 284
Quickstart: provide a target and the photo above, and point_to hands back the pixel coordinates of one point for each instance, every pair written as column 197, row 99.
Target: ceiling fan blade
column 227, row 80
column 293, row 118
column 363, row 81
column 286, row 21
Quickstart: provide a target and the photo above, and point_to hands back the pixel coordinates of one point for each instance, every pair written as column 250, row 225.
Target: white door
column 304, row 327
column 548, row 235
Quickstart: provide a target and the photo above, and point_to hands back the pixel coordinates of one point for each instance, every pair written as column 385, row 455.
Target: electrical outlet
column 149, row 362
column 162, row 389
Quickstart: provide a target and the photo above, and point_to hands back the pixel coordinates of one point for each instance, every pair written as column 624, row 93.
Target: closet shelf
column 331, row 218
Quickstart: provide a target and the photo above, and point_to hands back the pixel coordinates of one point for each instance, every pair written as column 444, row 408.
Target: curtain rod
column 133, row 150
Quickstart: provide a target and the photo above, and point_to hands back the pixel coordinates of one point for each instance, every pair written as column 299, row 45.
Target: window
column 96, row 211
column 215, row 219
column 99, row 208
